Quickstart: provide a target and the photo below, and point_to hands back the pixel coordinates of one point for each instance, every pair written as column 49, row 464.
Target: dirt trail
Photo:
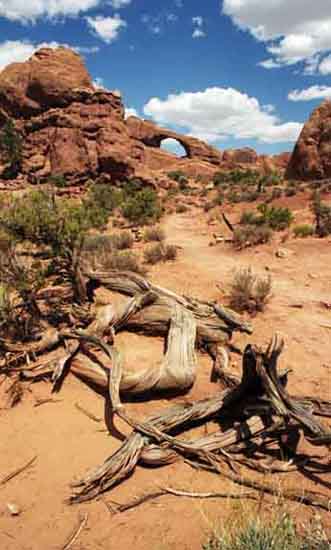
column 68, row 443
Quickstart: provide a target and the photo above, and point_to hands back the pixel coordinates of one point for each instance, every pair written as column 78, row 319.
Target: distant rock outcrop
column 70, row 128
column 311, row 158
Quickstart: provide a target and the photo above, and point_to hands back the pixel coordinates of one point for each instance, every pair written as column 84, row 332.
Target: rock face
column 241, row 156
column 311, row 158
column 152, row 136
column 70, row 128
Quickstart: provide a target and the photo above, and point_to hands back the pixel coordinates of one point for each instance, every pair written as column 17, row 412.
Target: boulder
column 311, row 158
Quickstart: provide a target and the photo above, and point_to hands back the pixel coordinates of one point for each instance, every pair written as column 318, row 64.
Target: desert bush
column 250, row 235
column 322, row 213
column 105, row 197
column 249, row 292
column 58, row 180
column 142, row 207
column 277, row 218
column 170, row 252
column 276, row 193
column 160, row 253
column 181, row 208
column 11, row 150
column 277, row 533
column 303, row 230
column 122, row 240
column 179, row 176
column 154, row 254
column 124, row 260
column 155, row 233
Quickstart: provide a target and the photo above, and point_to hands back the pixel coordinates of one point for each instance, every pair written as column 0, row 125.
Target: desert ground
column 67, row 443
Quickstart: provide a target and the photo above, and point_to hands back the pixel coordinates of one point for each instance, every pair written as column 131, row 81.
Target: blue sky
column 234, row 72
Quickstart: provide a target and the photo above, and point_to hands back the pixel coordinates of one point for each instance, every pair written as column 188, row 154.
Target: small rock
column 13, row 509
column 282, row 253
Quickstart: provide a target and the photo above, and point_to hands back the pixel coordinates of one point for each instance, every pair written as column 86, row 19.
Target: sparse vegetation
column 58, row 181
column 279, row 533
column 322, row 213
column 277, row 218
column 251, row 235
column 11, row 150
column 142, row 207
column 303, row 230
column 155, row 233
column 249, row 292
column 156, row 253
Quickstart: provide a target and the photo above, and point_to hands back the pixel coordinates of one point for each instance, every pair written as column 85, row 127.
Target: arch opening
column 174, row 147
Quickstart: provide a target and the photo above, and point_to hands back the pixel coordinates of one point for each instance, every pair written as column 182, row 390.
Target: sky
column 232, row 72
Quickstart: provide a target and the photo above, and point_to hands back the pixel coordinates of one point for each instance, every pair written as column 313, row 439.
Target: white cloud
column 99, row 84
column 325, row 66
column 219, row 113
column 314, row 92
column 197, row 20
column 293, row 30
column 198, row 33
column 107, row 28
column 198, row 23
column 118, row 4
column 130, row 111
column 15, row 51
column 30, row 10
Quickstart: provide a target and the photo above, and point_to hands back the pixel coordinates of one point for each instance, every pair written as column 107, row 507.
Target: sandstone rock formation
column 311, row 158
column 241, row 156
column 70, row 128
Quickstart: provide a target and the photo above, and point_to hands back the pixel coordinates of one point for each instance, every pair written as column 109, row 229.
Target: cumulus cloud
column 118, row 4
column 220, row 113
column 30, row 10
column 294, row 30
column 198, row 31
column 15, row 51
column 107, row 28
column 325, row 65
column 130, row 111
column 314, row 92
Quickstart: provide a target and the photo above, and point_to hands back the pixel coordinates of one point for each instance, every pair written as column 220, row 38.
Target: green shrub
column 154, row 234
column 179, row 176
column 104, row 197
column 58, row 180
column 142, row 207
column 304, row 230
column 249, row 292
column 11, row 150
column 277, row 218
column 251, row 235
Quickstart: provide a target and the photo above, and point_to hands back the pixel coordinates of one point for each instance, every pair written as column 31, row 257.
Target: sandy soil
column 67, row 443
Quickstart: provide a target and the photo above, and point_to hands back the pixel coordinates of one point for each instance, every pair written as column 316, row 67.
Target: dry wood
column 77, row 531
column 87, row 413
column 18, row 471
column 116, row 508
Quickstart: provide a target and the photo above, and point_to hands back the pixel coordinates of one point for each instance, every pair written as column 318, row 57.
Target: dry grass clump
column 277, row 533
column 155, row 233
column 249, row 292
column 251, row 235
column 122, row 261
column 160, row 253
column 303, row 230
